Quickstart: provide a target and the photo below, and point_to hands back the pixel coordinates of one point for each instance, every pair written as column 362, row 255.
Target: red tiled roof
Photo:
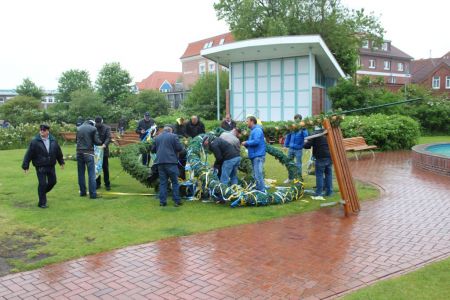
column 194, row 48
column 421, row 69
column 157, row 78
column 394, row 52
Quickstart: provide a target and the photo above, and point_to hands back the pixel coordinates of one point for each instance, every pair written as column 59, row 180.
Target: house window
column 222, row 40
column 211, row 67
column 365, row 44
column 447, row 82
column 436, row 82
column 207, row 45
column 400, row 67
column 201, row 68
column 372, row 64
column 392, row 80
column 387, row 65
column 384, row 47
column 2, row 100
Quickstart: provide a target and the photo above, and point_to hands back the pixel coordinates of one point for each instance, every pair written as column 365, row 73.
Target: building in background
column 433, row 73
column 168, row 83
column 194, row 65
column 5, row 95
column 47, row 99
column 388, row 62
column 275, row 78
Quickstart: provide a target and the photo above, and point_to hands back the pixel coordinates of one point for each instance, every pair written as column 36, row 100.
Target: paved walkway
column 314, row 255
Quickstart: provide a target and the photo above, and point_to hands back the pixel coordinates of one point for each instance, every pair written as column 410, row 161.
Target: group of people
column 44, row 152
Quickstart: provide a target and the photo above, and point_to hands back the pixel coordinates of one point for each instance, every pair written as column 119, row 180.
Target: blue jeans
column 86, row 160
column 324, row 167
column 167, row 171
column 258, row 166
column 229, row 170
column 297, row 154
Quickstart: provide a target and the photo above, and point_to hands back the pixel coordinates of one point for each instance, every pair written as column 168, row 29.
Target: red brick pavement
column 315, row 255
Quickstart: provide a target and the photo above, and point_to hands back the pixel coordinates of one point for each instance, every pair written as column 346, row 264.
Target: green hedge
column 393, row 132
column 21, row 135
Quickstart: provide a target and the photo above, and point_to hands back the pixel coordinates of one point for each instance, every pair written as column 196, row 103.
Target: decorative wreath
column 204, row 182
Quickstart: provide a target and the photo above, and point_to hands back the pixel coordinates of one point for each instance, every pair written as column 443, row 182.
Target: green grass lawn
column 434, row 139
column 431, row 282
column 74, row 226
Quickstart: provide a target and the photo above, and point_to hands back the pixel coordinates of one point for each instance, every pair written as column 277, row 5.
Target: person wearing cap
column 43, row 152
column 228, row 124
column 256, row 146
column 104, row 134
column 141, row 129
column 87, row 137
column 194, row 127
column 167, row 146
column 180, row 128
column 294, row 142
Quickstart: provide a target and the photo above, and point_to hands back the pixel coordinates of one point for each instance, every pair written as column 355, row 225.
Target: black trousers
column 47, row 180
column 105, row 168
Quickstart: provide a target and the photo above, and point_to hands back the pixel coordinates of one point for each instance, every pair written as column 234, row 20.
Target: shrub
column 21, row 135
column 21, row 109
column 388, row 132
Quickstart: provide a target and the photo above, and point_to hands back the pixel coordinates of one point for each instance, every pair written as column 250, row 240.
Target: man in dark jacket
column 141, row 129
column 195, row 127
column 227, row 157
column 104, row 134
column 87, row 137
column 180, row 128
column 323, row 163
column 44, row 151
column 228, row 124
column 167, row 146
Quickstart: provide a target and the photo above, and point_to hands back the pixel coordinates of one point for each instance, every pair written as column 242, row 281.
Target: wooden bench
column 127, row 138
column 72, row 137
column 356, row 144
column 68, row 136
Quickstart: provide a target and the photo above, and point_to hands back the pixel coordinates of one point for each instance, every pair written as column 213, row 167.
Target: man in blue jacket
column 167, row 146
column 294, row 142
column 256, row 146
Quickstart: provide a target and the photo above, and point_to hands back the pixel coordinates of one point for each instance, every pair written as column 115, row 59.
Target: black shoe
column 96, row 197
column 178, row 204
column 108, row 188
column 43, row 206
column 82, row 195
column 163, row 204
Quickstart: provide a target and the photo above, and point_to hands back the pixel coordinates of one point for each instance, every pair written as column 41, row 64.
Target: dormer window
column 385, row 46
column 208, row 45
column 222, row 40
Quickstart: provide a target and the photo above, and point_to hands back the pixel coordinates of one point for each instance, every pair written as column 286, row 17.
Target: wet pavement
column 314, row 255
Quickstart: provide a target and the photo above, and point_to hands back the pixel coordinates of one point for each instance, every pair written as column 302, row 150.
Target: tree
column 149, row 100
column 202, row 100
column 71, row 81
column 113, row 83
column 30, row 89
column 21, row 109
column 343, row 30
column 87, row 104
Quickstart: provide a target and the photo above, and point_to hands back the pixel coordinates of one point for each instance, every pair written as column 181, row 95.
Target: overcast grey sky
column 41, row 39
